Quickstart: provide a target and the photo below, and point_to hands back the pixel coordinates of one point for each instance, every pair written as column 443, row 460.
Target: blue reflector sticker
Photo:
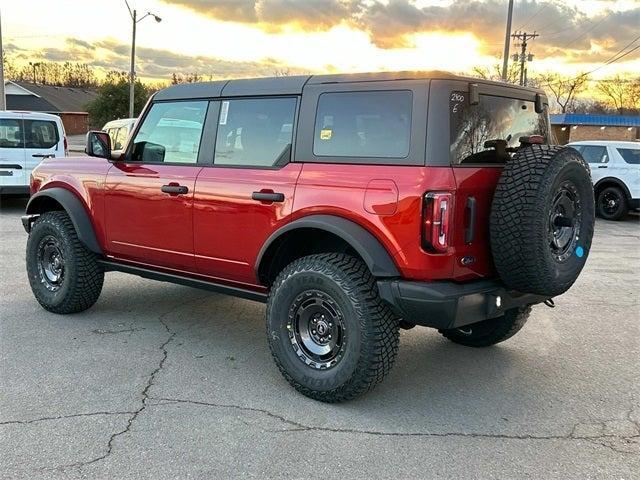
column 579, row 252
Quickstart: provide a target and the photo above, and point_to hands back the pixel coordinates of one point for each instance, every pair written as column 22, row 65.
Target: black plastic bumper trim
column 448, row 304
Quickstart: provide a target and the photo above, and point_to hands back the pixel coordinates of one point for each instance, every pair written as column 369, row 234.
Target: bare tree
column 622, row 93
column 563, row 89
column 494, row 72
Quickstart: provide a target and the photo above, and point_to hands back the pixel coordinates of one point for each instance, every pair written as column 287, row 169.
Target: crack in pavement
column 300, row 427
column 62, row 417
column 144, row 394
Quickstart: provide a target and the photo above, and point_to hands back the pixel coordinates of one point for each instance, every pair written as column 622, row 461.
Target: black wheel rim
column 316, row 329
column 51, row 265
column 565, row 220
column 610, row 202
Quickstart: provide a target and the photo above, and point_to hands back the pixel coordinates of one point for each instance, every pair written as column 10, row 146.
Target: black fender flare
column 615, row 181
column 76, row 211
column 374, row 254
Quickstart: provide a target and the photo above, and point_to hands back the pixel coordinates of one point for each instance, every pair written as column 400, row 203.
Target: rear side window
column 170, row 133
column 494, row 118
column 11, row 133
column 40, row 134
column 629, row 155
column 255, row 132
column 363, row 124
column 594, row 154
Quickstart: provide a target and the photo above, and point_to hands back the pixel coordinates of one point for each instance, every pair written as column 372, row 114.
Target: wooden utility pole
column 522, row 57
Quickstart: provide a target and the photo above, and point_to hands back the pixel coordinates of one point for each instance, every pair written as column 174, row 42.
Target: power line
column 614, row 60
column 538, row 12
column 593, row 27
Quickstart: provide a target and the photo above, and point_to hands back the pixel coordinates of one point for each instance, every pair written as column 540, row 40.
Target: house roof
column 29, row 103
column 50, row 98
column 596, row 120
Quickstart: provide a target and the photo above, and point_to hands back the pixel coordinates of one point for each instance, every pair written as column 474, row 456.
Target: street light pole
column 507, row 41
column 3, row 98
column 132, row 71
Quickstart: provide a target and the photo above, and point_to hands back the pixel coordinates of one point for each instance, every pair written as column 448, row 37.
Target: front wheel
column 612, row 203
column 329, row 332
column 65, row 277
column 489, row 332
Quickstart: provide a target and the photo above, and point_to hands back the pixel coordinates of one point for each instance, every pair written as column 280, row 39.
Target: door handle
column 602, row 166
column 175, row 189
column 43, row 155
column 268, row 196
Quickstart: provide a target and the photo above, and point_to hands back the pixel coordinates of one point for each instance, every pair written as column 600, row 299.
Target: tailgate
column 474, row 193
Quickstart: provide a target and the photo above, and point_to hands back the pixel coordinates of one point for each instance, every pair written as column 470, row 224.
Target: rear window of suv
column 363, row 124
column 494, row 118
column 629, row 155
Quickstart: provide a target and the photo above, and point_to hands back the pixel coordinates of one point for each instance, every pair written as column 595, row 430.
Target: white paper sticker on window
column 224, row 111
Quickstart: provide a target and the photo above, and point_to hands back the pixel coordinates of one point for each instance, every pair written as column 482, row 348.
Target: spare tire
column 542, row 219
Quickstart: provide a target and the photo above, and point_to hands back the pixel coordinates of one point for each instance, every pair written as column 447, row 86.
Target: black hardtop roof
column 293, row 85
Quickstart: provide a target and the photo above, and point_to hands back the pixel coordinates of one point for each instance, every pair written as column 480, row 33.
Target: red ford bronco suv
column 353, row 205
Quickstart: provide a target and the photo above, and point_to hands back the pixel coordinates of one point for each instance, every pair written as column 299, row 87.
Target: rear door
column 598, row 158
column 12, row 160
column 149, row 194
column 247, row 192
column 499, row 114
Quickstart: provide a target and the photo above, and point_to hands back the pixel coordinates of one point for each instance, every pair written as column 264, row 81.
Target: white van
column 26, row 138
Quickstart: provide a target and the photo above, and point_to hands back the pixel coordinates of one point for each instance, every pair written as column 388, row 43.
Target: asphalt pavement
column 162, row 381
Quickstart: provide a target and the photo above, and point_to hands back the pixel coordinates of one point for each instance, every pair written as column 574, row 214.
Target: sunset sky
column 239, row 38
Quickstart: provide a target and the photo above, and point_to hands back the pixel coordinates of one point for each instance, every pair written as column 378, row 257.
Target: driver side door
column 149, row 193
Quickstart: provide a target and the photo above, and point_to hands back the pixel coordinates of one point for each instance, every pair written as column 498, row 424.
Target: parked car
column 119, row 131
column 25, row 139
column 615, row 170
column 353, row 205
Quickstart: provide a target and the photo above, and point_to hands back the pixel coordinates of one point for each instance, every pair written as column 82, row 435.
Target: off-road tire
column 489, row 332
column 522, row 212
column 83, row 277
column 622, row 208
column 372, row 330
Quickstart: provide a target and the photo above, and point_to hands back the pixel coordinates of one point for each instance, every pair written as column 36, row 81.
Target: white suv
column 615, row 170
column 26, row 138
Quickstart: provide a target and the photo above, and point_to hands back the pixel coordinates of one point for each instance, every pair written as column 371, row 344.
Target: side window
column 255, row 132
column 595, row 154
column 579, row 148
column 112, row 136
column 120, row 138
column 631, row 156
column 40, row 134
column 170, row 133
column 363, row 124
column 11, row 133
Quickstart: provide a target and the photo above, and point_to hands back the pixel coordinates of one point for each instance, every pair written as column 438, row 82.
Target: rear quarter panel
column 365, row 195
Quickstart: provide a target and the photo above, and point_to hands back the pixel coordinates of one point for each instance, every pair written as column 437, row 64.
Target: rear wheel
column 330, row 334
column 489, row 332
column 612, row 203
column 65, row 277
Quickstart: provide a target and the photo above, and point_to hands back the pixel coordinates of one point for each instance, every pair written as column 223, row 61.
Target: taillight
column 66, row 147
column 438, row 210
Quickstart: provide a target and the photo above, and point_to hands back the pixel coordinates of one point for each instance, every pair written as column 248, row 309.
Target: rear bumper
column 448, row 304
column 14, row 189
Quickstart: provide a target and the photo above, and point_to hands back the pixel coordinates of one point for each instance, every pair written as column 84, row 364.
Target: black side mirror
column 98, row 144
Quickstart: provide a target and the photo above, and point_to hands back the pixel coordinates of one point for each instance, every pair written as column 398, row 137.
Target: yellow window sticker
column 325, row 134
